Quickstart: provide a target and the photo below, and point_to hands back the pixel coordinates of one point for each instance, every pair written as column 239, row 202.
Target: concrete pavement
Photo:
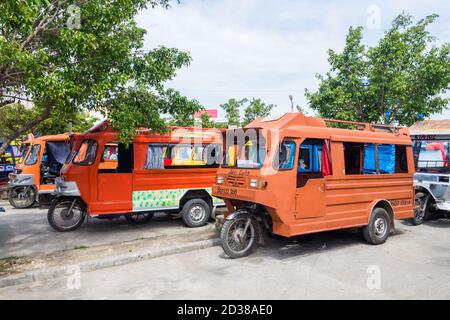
column 25, row 232
column 414, row 263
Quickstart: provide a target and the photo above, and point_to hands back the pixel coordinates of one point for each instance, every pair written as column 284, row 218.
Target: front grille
column 235, row 181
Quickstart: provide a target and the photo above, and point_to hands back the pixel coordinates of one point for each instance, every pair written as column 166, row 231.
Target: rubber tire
column 415, row 221
column 148, row 217
column 186, row 217
column 225, row 247
column 10, row 199
column 369, row 230
column 52, row 209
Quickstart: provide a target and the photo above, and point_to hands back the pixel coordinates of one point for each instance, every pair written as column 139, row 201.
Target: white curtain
column 155, row 158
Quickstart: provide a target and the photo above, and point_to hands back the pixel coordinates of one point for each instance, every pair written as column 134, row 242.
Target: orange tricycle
column 296, row 175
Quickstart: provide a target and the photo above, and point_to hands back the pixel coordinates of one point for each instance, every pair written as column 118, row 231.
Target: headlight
column 12, row 176
column 254, row 183
column 219, row 179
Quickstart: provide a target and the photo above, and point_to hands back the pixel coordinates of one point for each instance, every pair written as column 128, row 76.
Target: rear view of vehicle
column 431, row 145
column 34, row 178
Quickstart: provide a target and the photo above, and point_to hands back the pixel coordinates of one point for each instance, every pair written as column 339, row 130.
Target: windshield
column 86, row 153
column 23, row 152
column 33, row 155
column 245, row 150
column 432, row 155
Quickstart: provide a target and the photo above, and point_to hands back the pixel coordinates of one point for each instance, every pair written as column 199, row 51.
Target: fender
column 66, row 188
column 237, row 213
column 377, row 201
column 245, row 212
column 422, row 186
column 21, row 180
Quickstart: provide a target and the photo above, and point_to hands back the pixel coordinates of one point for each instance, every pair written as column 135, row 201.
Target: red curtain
column 326, row 160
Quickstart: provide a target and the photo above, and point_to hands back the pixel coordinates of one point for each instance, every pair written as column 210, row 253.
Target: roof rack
column 368, row 126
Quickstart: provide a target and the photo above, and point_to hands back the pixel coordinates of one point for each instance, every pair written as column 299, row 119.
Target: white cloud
column 266, row 49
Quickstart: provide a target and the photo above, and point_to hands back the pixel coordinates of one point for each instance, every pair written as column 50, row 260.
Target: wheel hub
column 197, row 213
column 66, row 215
column 238, row 235
column 380, row 227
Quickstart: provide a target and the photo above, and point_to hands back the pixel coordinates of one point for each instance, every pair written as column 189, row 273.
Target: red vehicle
column 170, row 172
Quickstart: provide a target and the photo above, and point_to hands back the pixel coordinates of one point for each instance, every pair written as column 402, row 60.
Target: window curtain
column 326, row 159
column 155, row 157
column 386, row 158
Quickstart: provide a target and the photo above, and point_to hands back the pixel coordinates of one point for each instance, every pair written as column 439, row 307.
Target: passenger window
column 310, row 157
column 161, row 156
column 304, row 159
column 286, row 156
column 156, row 156
column 401, row 160
column 310, row 161
column 352, row 157
column 372, row 158
column 109, row 161
column 109, row 153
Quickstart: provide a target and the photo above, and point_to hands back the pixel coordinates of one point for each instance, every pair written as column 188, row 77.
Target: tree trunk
column 44, row 115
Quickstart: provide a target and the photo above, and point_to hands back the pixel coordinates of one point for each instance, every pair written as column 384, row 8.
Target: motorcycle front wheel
column 66, row 214
column 238, row 236
column 22, row 197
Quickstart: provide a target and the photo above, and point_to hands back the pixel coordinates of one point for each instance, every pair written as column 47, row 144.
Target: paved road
column 414, row 263
column 26, row 232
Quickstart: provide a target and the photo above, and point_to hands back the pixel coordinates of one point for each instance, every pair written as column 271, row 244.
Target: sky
column 270, row 49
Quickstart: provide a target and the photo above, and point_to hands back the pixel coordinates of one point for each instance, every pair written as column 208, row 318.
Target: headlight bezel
column 253, row 183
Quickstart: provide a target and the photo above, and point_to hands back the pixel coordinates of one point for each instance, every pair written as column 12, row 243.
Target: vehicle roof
column 298, row 125
column 174, row 134
column 53, row 137
column 431, row 127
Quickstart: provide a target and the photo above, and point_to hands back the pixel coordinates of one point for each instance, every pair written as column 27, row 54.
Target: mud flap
column 260, row 232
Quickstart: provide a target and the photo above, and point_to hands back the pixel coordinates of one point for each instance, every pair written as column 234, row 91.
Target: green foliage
column 401, row 79
column 182, row 113
column 55, row 124
column 206, row 121
column 97, row 65
column 232, row 107
column 16, row 116
column 256, row 109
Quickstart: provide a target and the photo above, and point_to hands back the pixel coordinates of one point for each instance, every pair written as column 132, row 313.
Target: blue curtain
column 386, row 158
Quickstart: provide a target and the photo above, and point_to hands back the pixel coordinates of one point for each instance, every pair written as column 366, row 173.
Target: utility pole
column 292, row 102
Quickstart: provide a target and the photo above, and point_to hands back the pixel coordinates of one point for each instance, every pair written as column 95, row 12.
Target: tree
column 15, row 116
column 256, row 109
column 232, row 107
column 67, row 56
column 206, row 121
column 400, row 80
column 183, row 115
column 78, row 122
